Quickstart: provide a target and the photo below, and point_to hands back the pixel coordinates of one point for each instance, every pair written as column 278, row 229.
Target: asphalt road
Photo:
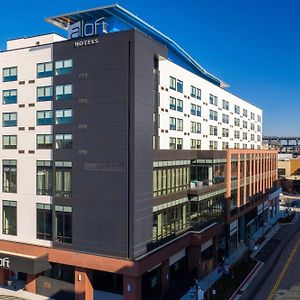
column 279, row 279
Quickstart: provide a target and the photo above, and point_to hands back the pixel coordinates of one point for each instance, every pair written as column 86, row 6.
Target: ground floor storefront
column 166, row 273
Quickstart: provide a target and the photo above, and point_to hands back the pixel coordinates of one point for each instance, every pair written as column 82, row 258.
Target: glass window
column 9, row 217
column 213, row 100
column 172, row 103
column 44, row 93
column 172, row 143
column 63, row 141
column 63, row 116
column 179, row 86
column 9, row 96
column 193, row 91
column 179, row 125
column 172, row 83
column 193, row 109
column 9, row 175
column 44, row 70
column 225, row 119
column 179, row 105
column 63, row 179
column 44, row 117
column 63, row 67
column 63, row 220
column 172, row 123
column 213, row 145
column 225, row 104
column 213, row 115
column 225, row 132
column 236, row 122
column 44, row 221
column 9, row 119
column 237, row 109
column 64, row 91
column 213, row 130
column 245, row 113
column 44, row 175
column 9, row 142
column 44, row 141
column 179, row 143
column 10, row 74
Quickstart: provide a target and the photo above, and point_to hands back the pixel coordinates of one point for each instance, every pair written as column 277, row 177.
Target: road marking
column 285, row 268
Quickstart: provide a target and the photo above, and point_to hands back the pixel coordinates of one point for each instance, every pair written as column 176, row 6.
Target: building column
column 132, row 288
column 31, row 283
column 4, row 276
column 165, row 277
column 194, row 261
column 210, row 175
column 83, row 286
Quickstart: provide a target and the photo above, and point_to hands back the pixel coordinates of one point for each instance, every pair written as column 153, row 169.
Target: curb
column 246, row 279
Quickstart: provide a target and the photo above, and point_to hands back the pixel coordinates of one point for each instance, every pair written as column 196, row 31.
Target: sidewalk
column 12, row 294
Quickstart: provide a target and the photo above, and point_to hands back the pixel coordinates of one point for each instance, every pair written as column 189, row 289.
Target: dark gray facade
column 112, row 129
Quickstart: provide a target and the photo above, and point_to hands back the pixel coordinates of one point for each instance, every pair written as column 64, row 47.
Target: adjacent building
column 127, row 169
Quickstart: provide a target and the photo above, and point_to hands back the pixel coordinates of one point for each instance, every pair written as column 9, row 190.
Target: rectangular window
column 198, row 111
column 63, row 141
column 258, row 128
column 10, row 74
column 225, row 145
column 193, row 109
column 9, row 142
column 44, row 117
column 179, row 86
column 172, row 143
column 237, row 122
column 195, row 144
column 9, row 175
column 193, row 91
column 193, row 127
column 245, row 124
column 213, row 99
column 179, row 105
column 64, row 91
column 179, row 143
column 252, row 126
column 44, row 93
column 44, row 221
column 172, row 103
column 225, row 104
column 259, row 138
column 237, row 109
column 179, row 125
column 63, row 222
column 225, row 119
column 9, row 96
column 258, row 118
column 245, row 113
column 44, row 175
column 63, row 178
column 198, row 96
column 172, row 83
column 213, row 145
column 44, row 70
column 213, row 130
column 213, row 115
column 236, row 134
column 172, row 123
column 252, row 137
column 225, row 132
column 252, row 116
column 63, row 67
column 245, row 135
column 9, row 119
column 236, row 145
column 63, row 116
column 9, row 217
column 44, row 141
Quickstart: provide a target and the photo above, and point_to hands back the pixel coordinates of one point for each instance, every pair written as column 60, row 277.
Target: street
column 279, row 279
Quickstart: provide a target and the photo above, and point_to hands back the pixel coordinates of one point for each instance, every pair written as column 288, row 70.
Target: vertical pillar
column 239, row 181
column 210, row 175
column 83, row 286
column 31, row 283
column 4, row 276
column 165, row 277
column 228, row 183
column 194, row 261
column 132, row 288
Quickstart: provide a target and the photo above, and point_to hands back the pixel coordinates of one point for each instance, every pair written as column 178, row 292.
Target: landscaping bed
column 229, row 283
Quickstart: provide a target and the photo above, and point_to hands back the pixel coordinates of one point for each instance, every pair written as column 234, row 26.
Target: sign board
column 87, row 28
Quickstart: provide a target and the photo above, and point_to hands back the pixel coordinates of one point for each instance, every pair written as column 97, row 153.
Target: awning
column 24, row 263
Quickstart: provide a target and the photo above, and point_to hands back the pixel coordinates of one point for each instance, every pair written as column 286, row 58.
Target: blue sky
column 252, row 45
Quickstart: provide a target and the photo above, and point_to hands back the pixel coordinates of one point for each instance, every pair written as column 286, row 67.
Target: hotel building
column 127, row 169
